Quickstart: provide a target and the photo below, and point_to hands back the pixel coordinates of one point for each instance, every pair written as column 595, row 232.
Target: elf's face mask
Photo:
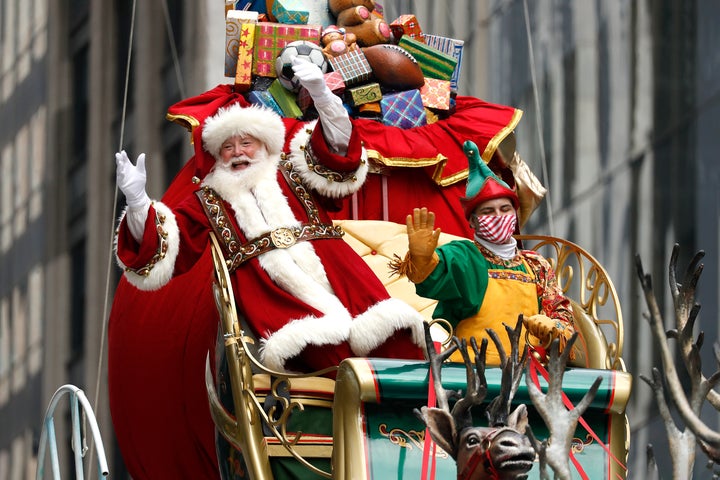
column 495, row 228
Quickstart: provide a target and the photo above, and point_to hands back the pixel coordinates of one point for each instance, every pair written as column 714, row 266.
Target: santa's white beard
column 261, row 206
column 260, row 168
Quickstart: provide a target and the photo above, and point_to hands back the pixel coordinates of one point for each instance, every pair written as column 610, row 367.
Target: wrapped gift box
column 286, row 100
column 264, row 98
column 271, row 38
column 436, row 93
column 353, row 66
column 368, row 93
column 450, row 46
column 290, row 12
column 433, row 62
column 262, row 83
column 304, row 100
column 403, row 109
column 407, row 25
column 334, row 82
column 234, row 20
column 378, row 11
column 243, row 72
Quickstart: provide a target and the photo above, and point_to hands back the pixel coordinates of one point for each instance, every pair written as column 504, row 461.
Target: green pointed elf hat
column 482, row 183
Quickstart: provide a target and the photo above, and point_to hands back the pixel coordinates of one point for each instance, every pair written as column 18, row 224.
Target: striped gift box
column 403, row 109
column 271, row 38
column 433, row 62
column 353, row 66
column 450, row 46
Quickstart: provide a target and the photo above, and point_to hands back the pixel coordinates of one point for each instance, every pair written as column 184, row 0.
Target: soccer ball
column 298, row 48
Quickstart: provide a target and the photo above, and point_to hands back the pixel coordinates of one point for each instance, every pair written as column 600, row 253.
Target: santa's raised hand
column 131, row 180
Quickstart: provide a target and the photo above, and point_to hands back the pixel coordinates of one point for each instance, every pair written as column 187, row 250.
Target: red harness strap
column 476, row 459
column 429, row 447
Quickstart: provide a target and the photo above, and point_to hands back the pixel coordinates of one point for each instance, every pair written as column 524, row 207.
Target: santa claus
column 261, row 182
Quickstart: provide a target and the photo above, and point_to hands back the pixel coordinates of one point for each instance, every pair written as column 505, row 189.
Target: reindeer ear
column 442, row 429
column 518, row 419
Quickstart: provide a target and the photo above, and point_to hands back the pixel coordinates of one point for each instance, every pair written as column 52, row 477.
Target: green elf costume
column 488, row 281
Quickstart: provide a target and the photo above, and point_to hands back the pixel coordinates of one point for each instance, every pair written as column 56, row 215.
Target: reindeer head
column 499, row 451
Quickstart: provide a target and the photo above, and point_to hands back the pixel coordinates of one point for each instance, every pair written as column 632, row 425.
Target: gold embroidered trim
column 144, row 271
column 330, row 175
column 237, row 253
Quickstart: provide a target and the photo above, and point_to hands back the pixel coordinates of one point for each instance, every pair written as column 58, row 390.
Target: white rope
column 101, row 354
column 538, row 122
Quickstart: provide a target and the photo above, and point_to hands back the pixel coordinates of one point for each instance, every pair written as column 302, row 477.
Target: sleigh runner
column 361, row 425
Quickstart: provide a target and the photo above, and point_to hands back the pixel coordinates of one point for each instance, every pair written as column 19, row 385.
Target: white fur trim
column 318, row 182
column 162, row 271
column 372, row 328
column 256, row 121
column 292, row 339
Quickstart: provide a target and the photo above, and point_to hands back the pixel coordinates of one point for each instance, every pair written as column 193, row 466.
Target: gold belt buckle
column 283, row 237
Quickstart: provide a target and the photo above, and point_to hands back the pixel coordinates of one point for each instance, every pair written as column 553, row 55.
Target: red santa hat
column 256, row 121
column 194, row 114
column 482, row 183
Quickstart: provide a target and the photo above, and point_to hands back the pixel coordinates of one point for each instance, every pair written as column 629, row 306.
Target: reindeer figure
column 682, row 442
column 499, row 451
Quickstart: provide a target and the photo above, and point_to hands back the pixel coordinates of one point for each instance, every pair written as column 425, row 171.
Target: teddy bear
column 358, row 17
column 336, row 41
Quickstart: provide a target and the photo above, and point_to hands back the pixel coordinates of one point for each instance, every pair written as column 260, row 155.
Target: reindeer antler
column 512, row 367
column 476, row 382
column 560, row 421
column 442, row 422
column 686, row 311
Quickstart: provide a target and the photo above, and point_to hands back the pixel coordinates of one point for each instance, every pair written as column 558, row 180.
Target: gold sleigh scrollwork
column 407, row 439
column 244, row 429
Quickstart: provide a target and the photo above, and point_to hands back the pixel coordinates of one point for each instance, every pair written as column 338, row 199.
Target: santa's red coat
column 158, row 341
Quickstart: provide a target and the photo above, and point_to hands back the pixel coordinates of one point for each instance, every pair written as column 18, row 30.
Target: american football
column 393, row 67
column 298, row 48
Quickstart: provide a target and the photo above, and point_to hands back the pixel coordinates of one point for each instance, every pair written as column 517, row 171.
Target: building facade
column 620, row 102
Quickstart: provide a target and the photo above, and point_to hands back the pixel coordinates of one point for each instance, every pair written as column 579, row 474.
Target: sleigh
column 361, row 425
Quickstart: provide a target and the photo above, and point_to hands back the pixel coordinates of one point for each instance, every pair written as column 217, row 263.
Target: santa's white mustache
column 240, row 162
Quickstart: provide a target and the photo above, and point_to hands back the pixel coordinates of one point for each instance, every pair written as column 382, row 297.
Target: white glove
column 335, row 119
column 311, row 77
column 131, row 180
